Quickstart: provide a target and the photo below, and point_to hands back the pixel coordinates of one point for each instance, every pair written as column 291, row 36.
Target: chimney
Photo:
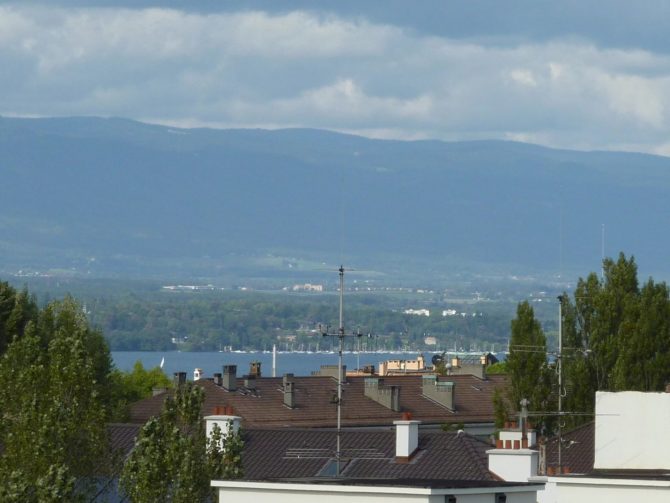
column 512, row 460
column 230, row 377
column 255, row 369
column 441, row 392
column 406, row 438
column 158, row 391
column 332, row 370
column 227, row 424
column 179, row 379
column 250, row 382
column 218, row 379
column 388, row 396
column 289, row 396
column 197, row 374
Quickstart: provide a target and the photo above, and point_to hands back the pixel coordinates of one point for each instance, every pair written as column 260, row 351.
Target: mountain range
column 108, row 196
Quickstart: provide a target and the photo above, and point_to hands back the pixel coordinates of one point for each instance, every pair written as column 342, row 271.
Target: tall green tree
column 173, row 460
column 643, row 361
column 16, row 310
column 614, row 310
column 578, row 372
column 527, row 366
column 617, row 336
column 53, row 419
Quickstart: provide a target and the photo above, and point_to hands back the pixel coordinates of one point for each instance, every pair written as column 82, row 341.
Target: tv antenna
column 340, row 334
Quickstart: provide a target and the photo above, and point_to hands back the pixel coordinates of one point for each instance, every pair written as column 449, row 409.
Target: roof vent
column 230, row 377
column 441, row 392
column 388, row 396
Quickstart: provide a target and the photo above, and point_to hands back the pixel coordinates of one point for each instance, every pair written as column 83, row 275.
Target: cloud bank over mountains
column 582, row 85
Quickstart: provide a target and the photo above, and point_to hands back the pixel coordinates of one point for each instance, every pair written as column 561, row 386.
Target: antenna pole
column 602, row 252
column 340, row 374
column 339, row 370
column 559, row 364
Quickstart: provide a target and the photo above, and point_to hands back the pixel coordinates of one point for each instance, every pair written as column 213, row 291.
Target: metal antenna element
column 340, row 335
column 602, row 252
column 559, row 369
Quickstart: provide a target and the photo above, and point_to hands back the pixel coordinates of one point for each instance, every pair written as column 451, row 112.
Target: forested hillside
column 108, row 197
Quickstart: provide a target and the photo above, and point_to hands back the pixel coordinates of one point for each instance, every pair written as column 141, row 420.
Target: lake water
column 301, row 364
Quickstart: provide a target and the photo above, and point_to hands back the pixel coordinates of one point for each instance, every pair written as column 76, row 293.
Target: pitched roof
column 366, row 454
column 122, row 436
column 314, row 405
column 578, row 452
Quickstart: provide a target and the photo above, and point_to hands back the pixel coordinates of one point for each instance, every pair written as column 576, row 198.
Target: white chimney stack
column 406, row 438
column 227, row 424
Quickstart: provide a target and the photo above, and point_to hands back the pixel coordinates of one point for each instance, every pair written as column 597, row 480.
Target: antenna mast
column 340, row 335
column 559, row 368
column 602, row 252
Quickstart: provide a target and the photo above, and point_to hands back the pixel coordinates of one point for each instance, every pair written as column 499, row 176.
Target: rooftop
column 315, row 406
column 365, row 454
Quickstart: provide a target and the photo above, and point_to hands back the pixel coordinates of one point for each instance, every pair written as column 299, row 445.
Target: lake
column 210, row 362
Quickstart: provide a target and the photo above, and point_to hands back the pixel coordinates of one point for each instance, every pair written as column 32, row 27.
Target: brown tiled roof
column 578, row 451
column 314, row 405
column 366, row 454
column 122, row 436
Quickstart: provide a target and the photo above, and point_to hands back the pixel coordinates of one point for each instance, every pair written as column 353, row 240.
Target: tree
column 643, row 361
column 53, row 423
column 129, row 387
column 613, row 307
column 617, row 335
column 579, row 379
column 166, row 463
column 16, row 310
column 527, row 362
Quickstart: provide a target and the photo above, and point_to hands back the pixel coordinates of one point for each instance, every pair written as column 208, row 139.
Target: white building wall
column 267, row 492
column 603, row 490
column 632, row 430
column 513, row 465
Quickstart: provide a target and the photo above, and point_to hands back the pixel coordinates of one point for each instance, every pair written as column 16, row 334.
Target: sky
column 588, row 75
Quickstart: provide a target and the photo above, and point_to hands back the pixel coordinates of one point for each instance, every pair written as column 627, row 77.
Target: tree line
column 204, row 321
column 616, row 337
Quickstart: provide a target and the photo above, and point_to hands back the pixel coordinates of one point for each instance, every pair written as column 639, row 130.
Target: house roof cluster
column 263, row 406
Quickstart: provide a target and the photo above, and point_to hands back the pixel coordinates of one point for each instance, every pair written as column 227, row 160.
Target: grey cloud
column 296, row 68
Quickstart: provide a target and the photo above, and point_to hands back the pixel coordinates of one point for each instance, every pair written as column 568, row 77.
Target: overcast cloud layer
column 368, row 74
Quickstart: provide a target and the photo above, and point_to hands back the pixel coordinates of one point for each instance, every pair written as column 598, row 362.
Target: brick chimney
column 218, row 379
column 406, row 438
column 512, row 460
column 230, row 377
column 255, row 369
